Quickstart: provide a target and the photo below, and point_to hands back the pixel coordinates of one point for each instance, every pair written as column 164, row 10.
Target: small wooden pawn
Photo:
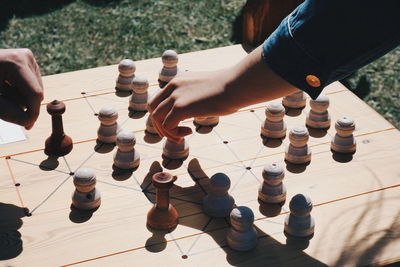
column 107, row 132
column 150, row 127
column 344, row 141
column 170, row 69
column 319, row 117
column 207, row 121
column 218, row 203
column 299, row 223
column 298, row 151
column 176, row 151
column 274, row 127
column 295, row 100
column 86, row 196
column 139, row 98
column 126, row 70
column 272, row 189
column 242, row 236
column 126, row 157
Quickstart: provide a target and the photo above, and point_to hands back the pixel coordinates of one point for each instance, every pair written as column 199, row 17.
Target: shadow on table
column 10, row 237
column 267, row 251
column 27, row 8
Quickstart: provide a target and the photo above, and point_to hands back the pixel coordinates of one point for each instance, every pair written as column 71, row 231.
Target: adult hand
column 204, row 94
column 21, row 87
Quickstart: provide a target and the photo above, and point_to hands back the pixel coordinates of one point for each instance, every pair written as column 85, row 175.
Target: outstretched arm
column 202, row 94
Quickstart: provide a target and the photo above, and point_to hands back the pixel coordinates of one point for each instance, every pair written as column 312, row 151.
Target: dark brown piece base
column 58, row 148
column 162, row 219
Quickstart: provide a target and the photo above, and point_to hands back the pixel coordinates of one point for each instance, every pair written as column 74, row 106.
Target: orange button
column 313, row 81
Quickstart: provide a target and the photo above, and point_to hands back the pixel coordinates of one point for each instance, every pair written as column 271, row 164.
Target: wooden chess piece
column 272, row 189
column 126, row 70
column 162, row 216
column 170, row 69
column 318, row 117
column 298, row 151
column 58, row 144
column 150, row 127
column 207, row 121
column 274, row 127
column 296, row 100
column 344, row 141
column 126, row 157
column 299, row 223
column 218, row 203
column 86, row 196
column 109, row 128
column 139, row 98
column 242, row 236
column 176, row 151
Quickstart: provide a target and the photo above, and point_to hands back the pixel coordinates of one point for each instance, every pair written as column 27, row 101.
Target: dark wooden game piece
column 299, row 223
column 242, row 236
column 218, row 203
column 162, row 216
column 58, row 144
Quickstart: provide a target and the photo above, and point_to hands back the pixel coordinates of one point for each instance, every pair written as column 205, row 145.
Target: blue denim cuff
column 291, row 62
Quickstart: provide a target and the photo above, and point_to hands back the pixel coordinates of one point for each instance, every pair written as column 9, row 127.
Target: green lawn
column 68, row 35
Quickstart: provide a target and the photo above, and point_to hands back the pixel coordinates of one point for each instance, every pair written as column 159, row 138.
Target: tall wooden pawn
column 207, row 121
column 178, row 151
column 344, row 141
column 109, row 128
column 86, row 196
column 298, row 151
column 242, row 236
column 170, row 69
column 126, row 70
column 162, row 216
column 299, row 223
column 58, row 144
column 274, row 127
column 139, row 98
column 150, row 127
column 218, row 203
column 126, row 157
column 295, row 100
column 318, row 117
column 272, row 189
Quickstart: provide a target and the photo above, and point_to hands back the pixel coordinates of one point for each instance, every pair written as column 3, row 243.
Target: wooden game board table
column 356, row 200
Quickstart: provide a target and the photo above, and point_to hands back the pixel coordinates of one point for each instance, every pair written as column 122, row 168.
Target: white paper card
column 10, row 133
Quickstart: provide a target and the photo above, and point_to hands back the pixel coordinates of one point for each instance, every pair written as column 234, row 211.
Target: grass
column 68, row 35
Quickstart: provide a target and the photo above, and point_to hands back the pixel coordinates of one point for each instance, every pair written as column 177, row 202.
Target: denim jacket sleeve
column 323, row 41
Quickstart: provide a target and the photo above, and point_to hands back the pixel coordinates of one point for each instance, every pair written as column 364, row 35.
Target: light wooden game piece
column 172, row 150
column 170, row 69
column 58, row 144
column 126, row 70
column 299, row 223
column 242, row 236
column 298, row 151
column 295, row 100
column 126, row 157
column 319, row 117
column 274, row 127
column 86, row 195
column 218, row 203
column 272, row 189
column 344, row 141
column 162, row 216
column 207, row 121
column 139, row 98
column 150, row 127
column 109, row 128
